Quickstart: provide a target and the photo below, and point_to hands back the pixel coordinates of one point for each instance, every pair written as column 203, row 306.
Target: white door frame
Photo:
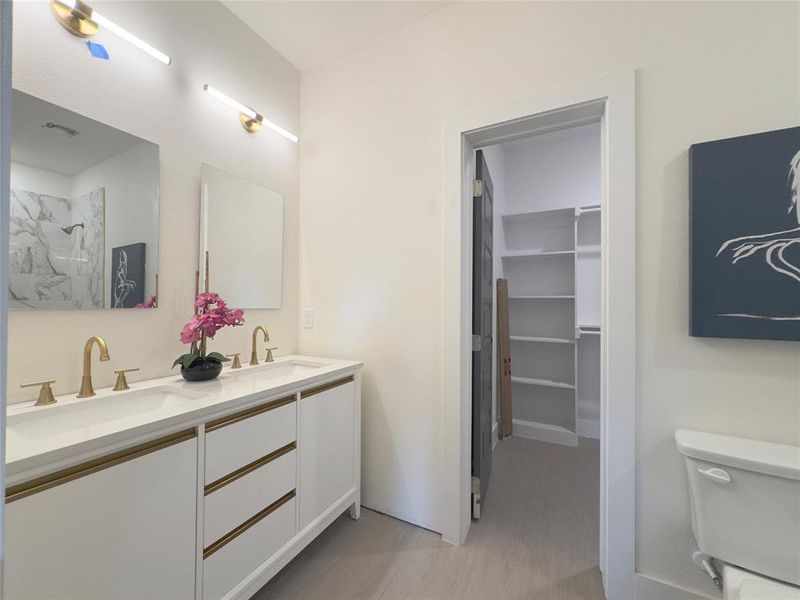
column 610, row 99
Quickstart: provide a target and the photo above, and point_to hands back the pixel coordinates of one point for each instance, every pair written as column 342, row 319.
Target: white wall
column 167, row 106
column 130, row 181
column 554, row 170
column 371, row 188
column 40, row 181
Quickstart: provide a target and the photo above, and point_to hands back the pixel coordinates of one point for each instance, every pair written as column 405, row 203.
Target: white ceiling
column 36, row 145
column 310, row 33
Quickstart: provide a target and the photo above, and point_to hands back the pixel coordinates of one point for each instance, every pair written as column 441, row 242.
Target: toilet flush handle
column 715, row 474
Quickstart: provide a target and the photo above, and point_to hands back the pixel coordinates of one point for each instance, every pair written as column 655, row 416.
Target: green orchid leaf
column 217, row 357
column 191, row 360
column 186, row 360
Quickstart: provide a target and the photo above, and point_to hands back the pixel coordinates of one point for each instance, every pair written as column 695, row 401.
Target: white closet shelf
column 536, row 253
column 586, row 330
column 543, row 382
column 541, row 340
column 541, row 297
column 565, row 213
column 545, row 432
column 582, row 210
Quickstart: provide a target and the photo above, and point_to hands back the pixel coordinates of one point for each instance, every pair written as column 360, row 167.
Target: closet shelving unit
column 551, row 260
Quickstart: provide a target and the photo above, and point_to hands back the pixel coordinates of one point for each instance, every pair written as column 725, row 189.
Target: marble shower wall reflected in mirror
column 83, row 230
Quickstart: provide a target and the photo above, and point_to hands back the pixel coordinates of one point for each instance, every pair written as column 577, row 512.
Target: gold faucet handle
column 45, row 394
column 122, row 381
column 237, row 363
column 271, row 358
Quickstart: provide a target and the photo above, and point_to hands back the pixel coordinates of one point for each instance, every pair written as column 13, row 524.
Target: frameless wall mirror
column 84, row 212
column 241, row 229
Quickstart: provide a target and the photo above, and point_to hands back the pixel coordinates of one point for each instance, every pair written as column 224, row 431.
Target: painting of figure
column 127, row 275
column 745, row 236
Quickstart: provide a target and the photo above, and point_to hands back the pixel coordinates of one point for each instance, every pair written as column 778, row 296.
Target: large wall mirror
column 241, row 229
column 84, row 212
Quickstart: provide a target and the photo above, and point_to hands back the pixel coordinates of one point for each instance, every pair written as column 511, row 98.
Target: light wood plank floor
column 537, row 540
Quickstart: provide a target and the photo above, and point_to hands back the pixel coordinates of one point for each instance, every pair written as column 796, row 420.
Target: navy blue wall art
column 745, row 236
column 127, row 275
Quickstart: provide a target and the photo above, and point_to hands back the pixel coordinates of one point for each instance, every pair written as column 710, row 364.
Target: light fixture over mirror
column 80, row 19
column 250, row 119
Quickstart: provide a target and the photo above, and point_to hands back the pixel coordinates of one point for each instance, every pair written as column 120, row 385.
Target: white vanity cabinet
column 122, row 526
column 209, row 513
column 249, row 493
column 276, row 475
column 329, row 440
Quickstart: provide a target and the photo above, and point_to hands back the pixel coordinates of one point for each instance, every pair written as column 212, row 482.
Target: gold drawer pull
column 232, row 535
column 40, row 484
column 248, row 468
column 246, row 414
column 326, row 386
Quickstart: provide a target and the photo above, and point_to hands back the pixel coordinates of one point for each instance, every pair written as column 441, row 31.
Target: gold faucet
column 86, row 382
column 254, row 353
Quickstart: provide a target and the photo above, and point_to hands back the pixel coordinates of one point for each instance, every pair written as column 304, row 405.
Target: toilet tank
column 745, row 501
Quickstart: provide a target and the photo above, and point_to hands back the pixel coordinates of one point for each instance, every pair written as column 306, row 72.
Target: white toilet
column 745, row 500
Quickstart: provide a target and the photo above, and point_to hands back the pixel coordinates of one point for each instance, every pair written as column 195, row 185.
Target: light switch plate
column 308, row 318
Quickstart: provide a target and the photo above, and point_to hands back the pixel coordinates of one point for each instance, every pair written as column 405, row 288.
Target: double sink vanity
column 180, row 490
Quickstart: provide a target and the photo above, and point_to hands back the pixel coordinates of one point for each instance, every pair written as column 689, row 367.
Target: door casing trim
column 611, row 100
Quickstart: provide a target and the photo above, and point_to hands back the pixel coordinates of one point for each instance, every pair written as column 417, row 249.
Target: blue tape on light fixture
column 97, row 50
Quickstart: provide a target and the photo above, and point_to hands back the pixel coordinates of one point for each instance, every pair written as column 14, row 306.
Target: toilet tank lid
column 781, row 460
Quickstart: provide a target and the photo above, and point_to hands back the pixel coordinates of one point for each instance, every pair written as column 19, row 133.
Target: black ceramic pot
column 203, row 371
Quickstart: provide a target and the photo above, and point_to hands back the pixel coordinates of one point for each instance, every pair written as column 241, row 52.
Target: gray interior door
column 482, row 298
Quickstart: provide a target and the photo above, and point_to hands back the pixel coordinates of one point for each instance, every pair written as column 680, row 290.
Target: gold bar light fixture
column 81, row 20
column 250, row 119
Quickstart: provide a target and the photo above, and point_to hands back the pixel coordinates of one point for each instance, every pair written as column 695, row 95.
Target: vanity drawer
column 227, row 564
column 241, row 438
column 234, row 499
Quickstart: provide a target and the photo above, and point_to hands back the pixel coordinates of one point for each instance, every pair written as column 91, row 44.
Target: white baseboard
column 648, row 588
column 544, row 432
column 495, row 435
column 588, row 429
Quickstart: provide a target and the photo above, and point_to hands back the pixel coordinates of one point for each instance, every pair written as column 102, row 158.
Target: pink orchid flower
column 213, row 315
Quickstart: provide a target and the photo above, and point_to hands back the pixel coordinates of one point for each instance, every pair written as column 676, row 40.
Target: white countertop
column 42, row 439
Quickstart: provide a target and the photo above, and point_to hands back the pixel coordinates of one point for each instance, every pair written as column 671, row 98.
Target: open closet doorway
column 576, row 334
column 537, row 294
column 547, row 248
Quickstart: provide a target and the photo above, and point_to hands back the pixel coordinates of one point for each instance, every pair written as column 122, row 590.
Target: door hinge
column 476, row 343
column 476, row 498
column 477, row 188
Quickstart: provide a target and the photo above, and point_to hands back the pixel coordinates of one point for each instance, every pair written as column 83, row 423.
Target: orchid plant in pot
column 211, row 314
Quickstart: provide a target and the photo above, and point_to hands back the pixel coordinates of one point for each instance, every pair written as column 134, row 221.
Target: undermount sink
column 45, row 435
column 280, row 370
column 96, row 415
